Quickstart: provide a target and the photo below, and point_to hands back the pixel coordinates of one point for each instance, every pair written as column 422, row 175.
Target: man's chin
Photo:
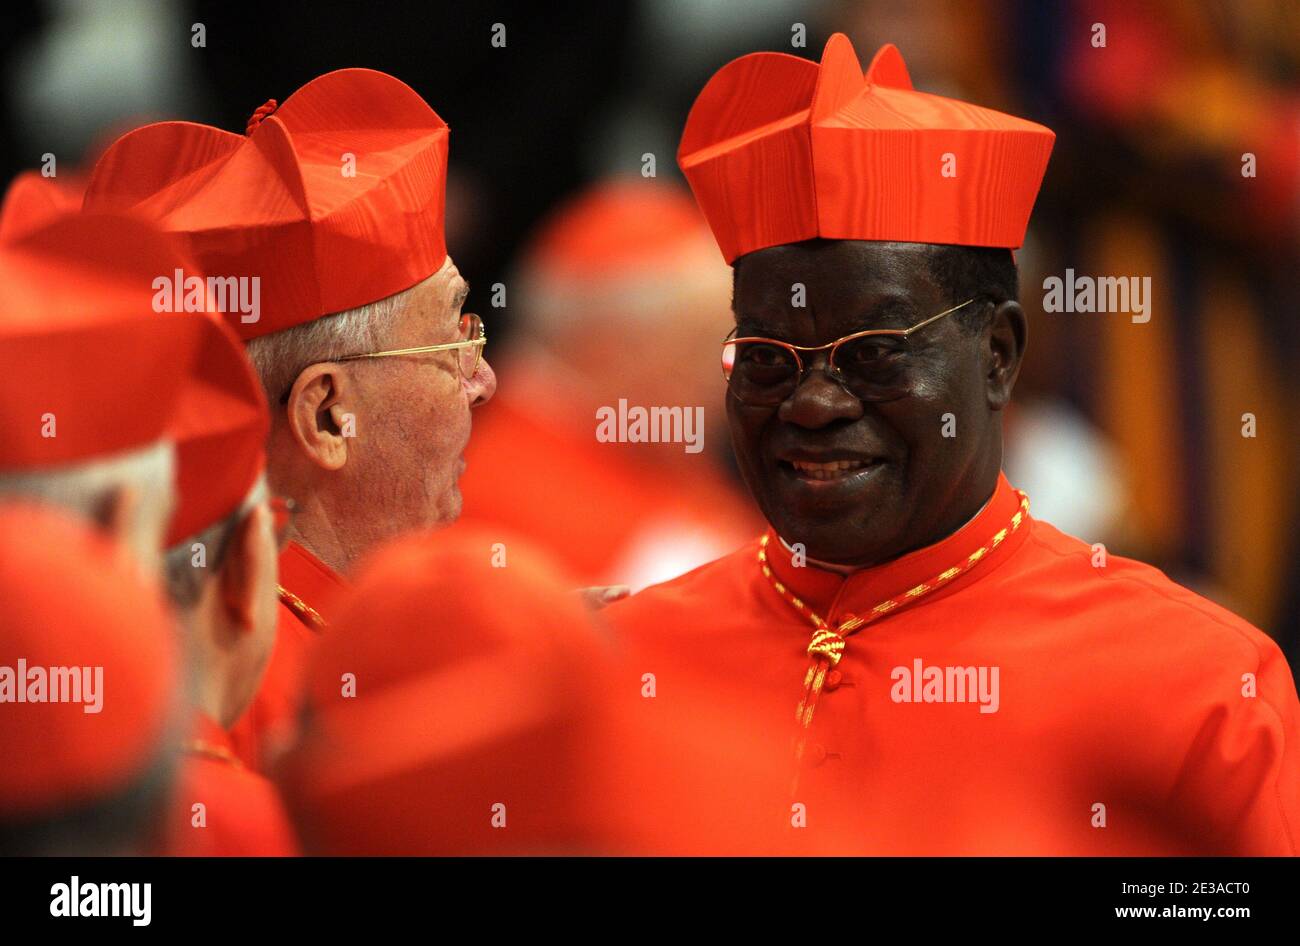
column 832, row 544
column 449, row 508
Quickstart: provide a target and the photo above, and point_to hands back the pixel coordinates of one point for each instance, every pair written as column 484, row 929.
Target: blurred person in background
column 221, row 582
column 618, row 299
column 455, row 730
column 97, row 367
column 89, row 687
column 97, row 433
column 866, row 417
column 330, row 209
column 220, row 572
column 462, row 708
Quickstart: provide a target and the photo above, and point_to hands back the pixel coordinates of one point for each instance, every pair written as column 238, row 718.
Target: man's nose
column 483, row 385
column 819, row 401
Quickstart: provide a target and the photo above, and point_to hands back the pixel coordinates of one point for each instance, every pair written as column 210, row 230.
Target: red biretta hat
column 331, row 201
column 92, row 370
column 81, row 624
column 779, row 149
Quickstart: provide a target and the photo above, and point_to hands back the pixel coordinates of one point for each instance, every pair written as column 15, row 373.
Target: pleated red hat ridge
column 92, row 370
column 779, row 149
column 332, row 200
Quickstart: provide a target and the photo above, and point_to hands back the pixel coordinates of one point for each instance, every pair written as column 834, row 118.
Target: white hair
column 281, row 356
column 87, row 487
column 184, row 578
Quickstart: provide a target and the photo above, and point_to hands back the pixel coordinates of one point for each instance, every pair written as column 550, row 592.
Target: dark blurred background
column 1122, row 433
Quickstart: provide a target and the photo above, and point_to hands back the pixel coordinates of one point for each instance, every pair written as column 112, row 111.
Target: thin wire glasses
column 869, row 364
column 469, row 350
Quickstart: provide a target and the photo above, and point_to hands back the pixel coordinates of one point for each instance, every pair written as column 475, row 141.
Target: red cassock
column 309, row 592
column 1009, row 690
column 241, row 815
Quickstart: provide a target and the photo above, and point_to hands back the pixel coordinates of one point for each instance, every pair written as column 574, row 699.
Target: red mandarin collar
column 313, row 582
column 834, row 596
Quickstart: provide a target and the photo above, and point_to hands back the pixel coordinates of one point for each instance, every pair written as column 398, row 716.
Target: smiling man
column 957, row 677
column 862, row 466
column 324, row 224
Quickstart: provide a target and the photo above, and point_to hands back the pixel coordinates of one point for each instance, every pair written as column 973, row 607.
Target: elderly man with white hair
column 321, row 229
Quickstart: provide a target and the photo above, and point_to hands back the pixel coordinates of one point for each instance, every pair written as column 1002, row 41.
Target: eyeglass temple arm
column 935, row 318
column 450, row 346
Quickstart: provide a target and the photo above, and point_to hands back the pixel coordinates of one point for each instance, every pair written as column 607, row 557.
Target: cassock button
column 816, row 754
column 833, row 680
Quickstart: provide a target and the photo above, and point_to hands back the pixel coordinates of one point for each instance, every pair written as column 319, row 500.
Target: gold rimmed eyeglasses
column 869, row 364
column 469, row 349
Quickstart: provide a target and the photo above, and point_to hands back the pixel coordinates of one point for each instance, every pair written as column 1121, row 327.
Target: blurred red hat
column 220, row 428
column 620, row 224
column 32, row 201
column 333, row 200
column 92, row 370
column 779, row 149
column 477, row 686
column 472, row 685
column 78, row 617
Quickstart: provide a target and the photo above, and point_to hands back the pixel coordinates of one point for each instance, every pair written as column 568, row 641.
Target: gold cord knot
column 826, row 643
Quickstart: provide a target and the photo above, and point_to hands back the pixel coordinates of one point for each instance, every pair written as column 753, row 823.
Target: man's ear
column 117, row 514
column 138, row 532
column 317, row 415
column 248, row 553
column 1008, row 333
